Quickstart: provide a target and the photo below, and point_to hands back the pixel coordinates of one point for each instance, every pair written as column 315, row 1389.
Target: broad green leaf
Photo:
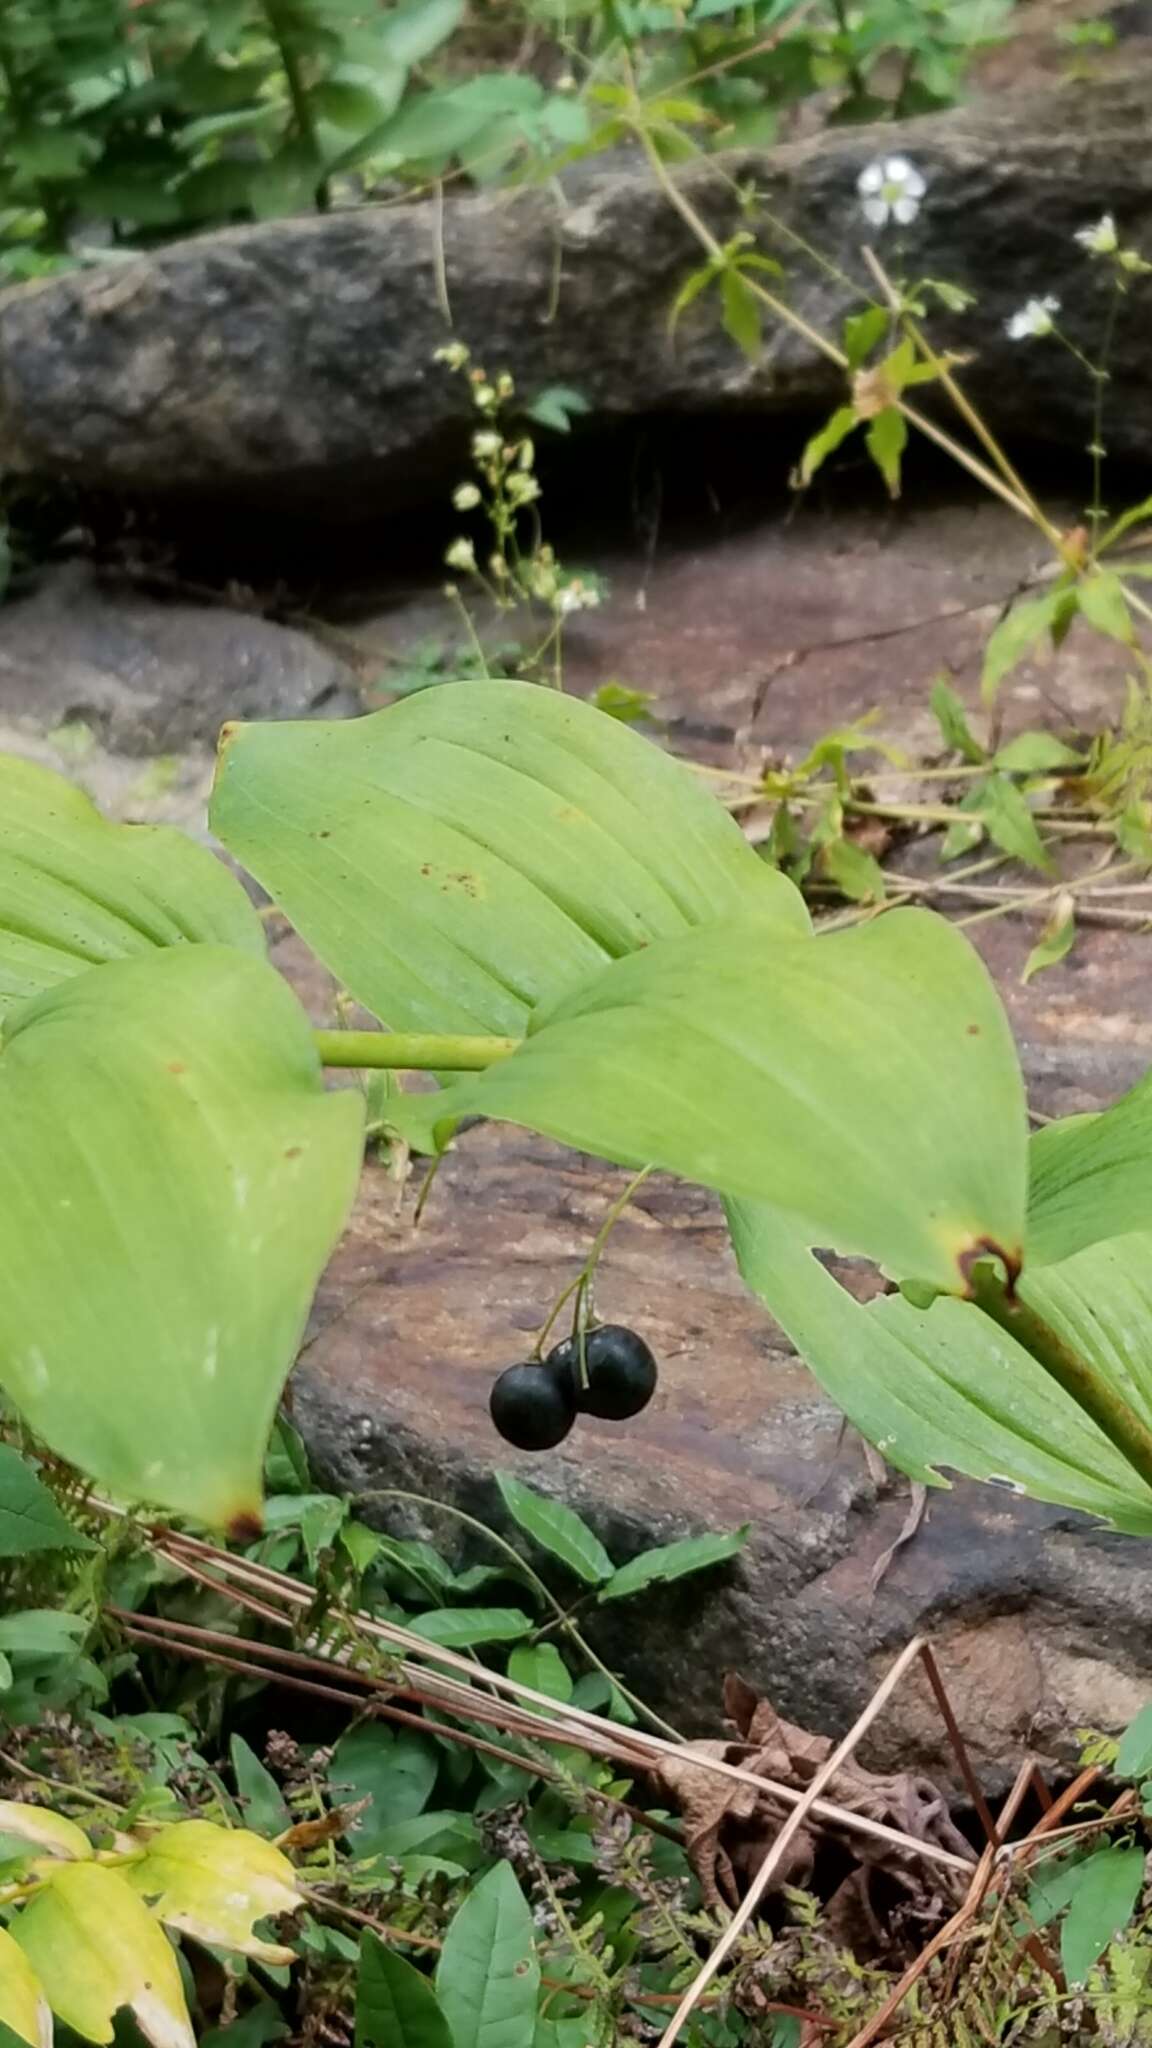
column 394, row 1772
column 1009, row 822
column 866, row 1081
column 1097, row 1897
column 396, row 2006
column 1029, row 620
column 740, row 313
column 42, row 1632
column 886, row 440
column 857, row 874
column 1103, row 604
column 214, row 1883
column 1056, row 940
column 255, row 2028
column 409, row 33
column 95, row 1948
column 674, row 1561
column 461, row 1628
column 475, row 850
column 945, row 1388
column 23, row 2006
column 540, row 1666
column 451, row 1837
column 1090, row 1177
column 557, row 1528
column 29, row 1517
column 952, row 719
column 76, row 891
column 260, row 1798
column 1132, row 517
column 1036, row 753
column 50, row 1833
column 824, row 444
column 172, row 1178
column 1134, row 1755
column 488, row 1975
column 557, row 407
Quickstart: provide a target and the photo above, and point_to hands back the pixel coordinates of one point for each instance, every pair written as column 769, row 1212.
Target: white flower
column 1100, row 240
column 890, row 188
column 465, row 496
column 576, row 596
column 485, row 445
column 453, row 353
column 1035, row 318
column 461, row 554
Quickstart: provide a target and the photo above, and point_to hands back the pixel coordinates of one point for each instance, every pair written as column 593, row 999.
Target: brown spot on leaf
column 972, row 1030
column 177, row 1067
column 987, row 1248
column 245, row 1527
column 293, row 1151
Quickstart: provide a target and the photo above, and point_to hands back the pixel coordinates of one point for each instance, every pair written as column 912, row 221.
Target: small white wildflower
column 465, row 497
column 890, row 188
column 484, row 397
column 1033, row 319
column 522, row 489
column 576, row 596
column 485, row 445
column 1100, row 240
column 454, row 354
column 461, row 554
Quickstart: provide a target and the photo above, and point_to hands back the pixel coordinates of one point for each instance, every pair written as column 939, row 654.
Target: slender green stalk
column 412, row 1051
column 281, row 34
column 1090, row 1391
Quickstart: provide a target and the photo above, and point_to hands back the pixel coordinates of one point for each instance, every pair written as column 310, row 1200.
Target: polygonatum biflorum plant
column 555, row 917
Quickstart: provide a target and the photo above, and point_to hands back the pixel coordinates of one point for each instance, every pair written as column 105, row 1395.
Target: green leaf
column 29, row 1517
column 824, row 444
column 1134, row 1756
column 557, row 407
column 172, row 1179
column 862, row 332
column 945, row 1387
column 1056, row 940
column 1104, row 605
column 95, row 1948
column 858, row 875
column 1132, row 517
column 24, row 2010
column 1009, row 822
column 1018, row 632
column 255, row 2028
column 540, row 1666
column 76, row 891
column 215, row 1883
column 461, row 1628
column 1098, row 1897
column 674, row 1561
column 477, row 849
column 50, row 1833
column 740, row 313
column 261, row 1800
column 42, row 1632
column 690, row 291
column 488, row 1976
column 394, row 1772
column 1090, row 1177
column 411, row 32
column 867, row 1081
column 886, row 440
column 952, row 719
column 1036, row 753
column 396, row 2006
column 557, row 1529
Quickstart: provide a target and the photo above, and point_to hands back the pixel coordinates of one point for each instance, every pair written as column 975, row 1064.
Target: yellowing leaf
column 23, row 2006
column 96, row 1948
column 45, row 1830
column 214, row 1883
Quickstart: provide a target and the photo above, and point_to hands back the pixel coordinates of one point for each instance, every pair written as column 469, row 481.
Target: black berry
column 621, row 1372
column 533, row 1406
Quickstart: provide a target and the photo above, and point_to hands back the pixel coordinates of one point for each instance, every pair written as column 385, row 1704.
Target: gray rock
column 292, row 361
column 152, row 678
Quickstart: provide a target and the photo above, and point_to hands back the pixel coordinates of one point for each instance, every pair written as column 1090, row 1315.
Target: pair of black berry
column 535, row 1404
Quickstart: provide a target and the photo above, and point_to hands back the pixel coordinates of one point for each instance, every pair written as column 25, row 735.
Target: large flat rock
column 291, row 362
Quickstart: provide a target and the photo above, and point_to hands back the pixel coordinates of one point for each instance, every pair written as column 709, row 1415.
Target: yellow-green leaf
column 215, row 1883
column 96, row 1950
column 47, row 1831
column 173, row 1176
column 76, row 891
column 23, row 2006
